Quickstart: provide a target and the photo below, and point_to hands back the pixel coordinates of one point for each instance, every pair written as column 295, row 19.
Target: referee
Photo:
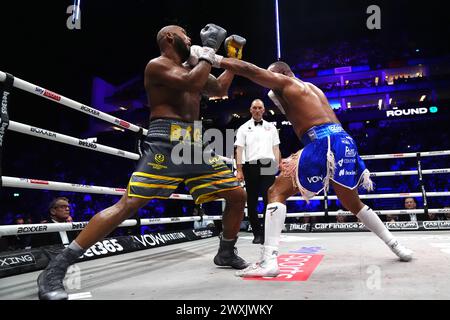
column 257, row 159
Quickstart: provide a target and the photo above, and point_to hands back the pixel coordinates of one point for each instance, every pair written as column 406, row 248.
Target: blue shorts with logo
column 329, row 154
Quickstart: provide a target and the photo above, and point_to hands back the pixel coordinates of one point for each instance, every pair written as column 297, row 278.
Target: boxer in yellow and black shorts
column 174, row 83
column 161, row 168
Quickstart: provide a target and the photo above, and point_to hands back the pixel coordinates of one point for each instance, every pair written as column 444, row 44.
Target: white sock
column 274, row 223
column 374, row 224
column 76, row 247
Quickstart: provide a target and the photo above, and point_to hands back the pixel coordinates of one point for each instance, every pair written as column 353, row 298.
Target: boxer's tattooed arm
column 218, row 86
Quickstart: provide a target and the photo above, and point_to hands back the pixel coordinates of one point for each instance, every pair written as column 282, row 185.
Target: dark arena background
column 78, row 69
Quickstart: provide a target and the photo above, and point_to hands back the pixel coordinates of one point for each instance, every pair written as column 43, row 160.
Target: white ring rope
column 405, row 155
column 59, row 137
column 29, row 87
column 72, row 226
column 27, row 183
column 61, row 186
column 348, row 213
column 42, row 92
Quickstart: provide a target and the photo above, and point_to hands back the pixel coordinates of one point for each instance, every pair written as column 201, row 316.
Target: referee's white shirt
column 257, row 141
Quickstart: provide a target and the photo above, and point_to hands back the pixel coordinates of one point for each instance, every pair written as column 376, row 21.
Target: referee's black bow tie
column 258, row 123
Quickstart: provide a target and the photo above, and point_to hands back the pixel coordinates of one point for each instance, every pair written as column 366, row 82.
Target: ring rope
column 29, row 87
column 26, row 183
column 59, row 137
column 50, row 95
column 72, row 226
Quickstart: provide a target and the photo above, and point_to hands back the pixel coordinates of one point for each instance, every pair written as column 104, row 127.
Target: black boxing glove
column 212, row 36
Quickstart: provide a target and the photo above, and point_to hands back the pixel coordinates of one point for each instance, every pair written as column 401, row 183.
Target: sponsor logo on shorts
column 159, row 158
column 213, row 160
column 43, row 132
column 90, row 110
column 156, row 166
column 335, row 128
column 31, row 229
column 344, row 172
column 314, row 179
column 349, row 152
column 186, row 133
column 17, row 260
column 293, row 267
column 121, row 153
column 312, row 135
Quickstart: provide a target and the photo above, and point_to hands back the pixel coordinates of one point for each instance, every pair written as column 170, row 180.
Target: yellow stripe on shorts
column 207, row 176
column 205, row 185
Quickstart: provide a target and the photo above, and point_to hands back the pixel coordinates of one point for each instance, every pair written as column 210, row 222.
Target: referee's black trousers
column 257, row 183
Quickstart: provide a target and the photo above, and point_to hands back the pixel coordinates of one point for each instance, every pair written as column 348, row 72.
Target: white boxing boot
column 267, row 267
column 403, row 253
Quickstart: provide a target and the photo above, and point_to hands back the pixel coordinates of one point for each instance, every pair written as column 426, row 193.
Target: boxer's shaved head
column 281, row 67
column 176, row 37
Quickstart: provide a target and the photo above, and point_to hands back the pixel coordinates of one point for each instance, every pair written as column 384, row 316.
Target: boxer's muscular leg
column 108, row 219
column 232, row 217
column 351, row 201
column 282, row 189
column 50, row 281
column 234, row 211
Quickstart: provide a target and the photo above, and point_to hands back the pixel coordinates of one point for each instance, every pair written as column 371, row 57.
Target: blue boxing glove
column 212, row 36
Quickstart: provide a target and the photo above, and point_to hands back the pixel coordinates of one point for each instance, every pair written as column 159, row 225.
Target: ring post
column 325, row 205
column 421, row 184
column 4, row 118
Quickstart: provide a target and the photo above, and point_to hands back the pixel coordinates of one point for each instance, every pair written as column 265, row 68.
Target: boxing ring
column 314, row 264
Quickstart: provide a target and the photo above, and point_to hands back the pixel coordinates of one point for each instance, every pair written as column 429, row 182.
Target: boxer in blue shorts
column 174, row 90
column 330, row 156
